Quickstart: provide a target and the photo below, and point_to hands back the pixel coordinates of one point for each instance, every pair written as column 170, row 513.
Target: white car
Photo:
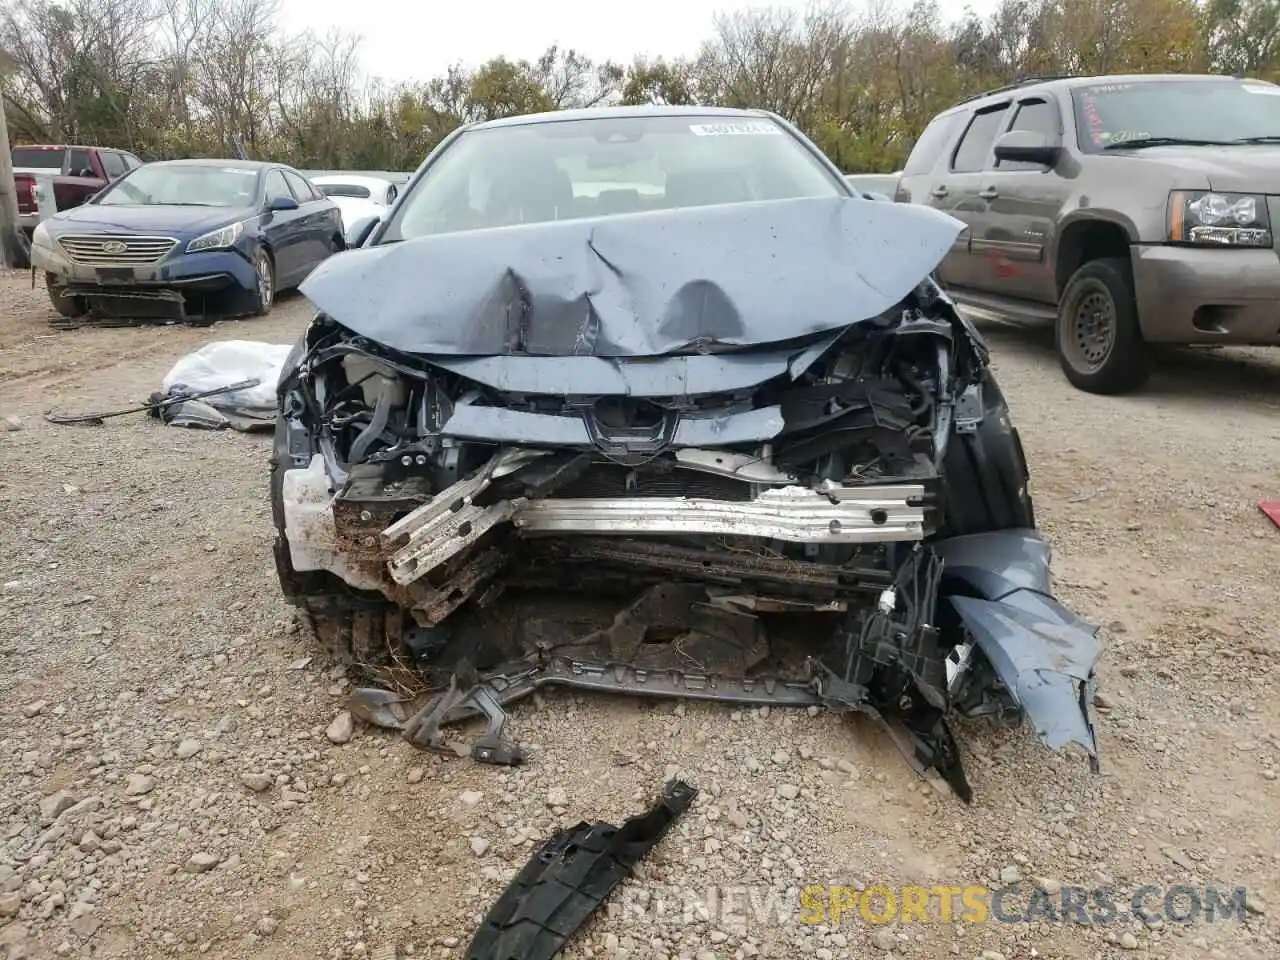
column 356, row 196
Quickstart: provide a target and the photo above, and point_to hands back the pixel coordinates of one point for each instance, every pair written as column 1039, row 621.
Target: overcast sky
column 417, row 39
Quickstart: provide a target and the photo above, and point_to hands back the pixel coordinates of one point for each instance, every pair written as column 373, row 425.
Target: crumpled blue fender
column 998, row 583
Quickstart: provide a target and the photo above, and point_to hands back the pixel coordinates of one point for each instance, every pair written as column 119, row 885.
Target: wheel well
column 339, row 241
column 1087, row 240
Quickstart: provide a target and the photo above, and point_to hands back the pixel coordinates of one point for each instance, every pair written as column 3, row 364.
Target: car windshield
column 564, row 170
column 161, row 184
column 1206, row 111
column 345, row 190
column 38, row 158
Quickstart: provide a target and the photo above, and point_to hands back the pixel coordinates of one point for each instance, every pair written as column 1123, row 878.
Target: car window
column 184, row 184
column 345, row 190
column 113, row 163
column 1216, row 109
column 535, row 172
column 81, row 164
column 931, row 145
column 277, row 186
column 1039, row 116
column 974, row 148
column 301, row 190
column 38, row 158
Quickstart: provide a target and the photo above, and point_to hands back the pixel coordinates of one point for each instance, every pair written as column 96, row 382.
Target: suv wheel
column 1099, row 343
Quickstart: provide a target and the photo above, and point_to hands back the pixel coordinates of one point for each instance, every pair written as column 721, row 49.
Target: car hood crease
column 700, row 279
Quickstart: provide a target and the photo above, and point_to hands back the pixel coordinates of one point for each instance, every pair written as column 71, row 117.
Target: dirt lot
column 152, row 673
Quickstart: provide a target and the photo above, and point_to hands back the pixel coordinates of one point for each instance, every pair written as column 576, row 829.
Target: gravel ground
column 170, row 789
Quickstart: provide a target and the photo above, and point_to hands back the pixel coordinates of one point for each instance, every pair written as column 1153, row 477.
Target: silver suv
column 1125, row 210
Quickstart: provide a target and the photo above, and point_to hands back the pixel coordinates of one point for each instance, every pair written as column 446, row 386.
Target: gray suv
column 1125, row 210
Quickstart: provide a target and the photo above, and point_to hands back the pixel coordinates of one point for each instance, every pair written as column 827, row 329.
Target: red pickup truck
column 78, row 173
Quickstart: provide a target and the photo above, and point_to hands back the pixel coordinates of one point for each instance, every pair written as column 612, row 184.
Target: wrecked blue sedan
column 647, row 401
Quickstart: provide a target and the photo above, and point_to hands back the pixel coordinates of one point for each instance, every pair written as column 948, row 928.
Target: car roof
column 611, row 113
column 374, row 183
column 1150, row 78
column 215, row 162
column 1032, row 84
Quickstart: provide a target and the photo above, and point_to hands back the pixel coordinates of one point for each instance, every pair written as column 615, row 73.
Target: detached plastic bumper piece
column 569, row 878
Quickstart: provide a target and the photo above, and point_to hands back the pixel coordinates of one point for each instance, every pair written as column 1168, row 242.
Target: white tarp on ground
column 222, row 364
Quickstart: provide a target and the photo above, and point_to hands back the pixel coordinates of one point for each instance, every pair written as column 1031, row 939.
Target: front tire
column 1098, row 339
column 70, row 307
column 264, row 270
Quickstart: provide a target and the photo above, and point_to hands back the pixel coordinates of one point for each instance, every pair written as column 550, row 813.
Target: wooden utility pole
column 13, row 243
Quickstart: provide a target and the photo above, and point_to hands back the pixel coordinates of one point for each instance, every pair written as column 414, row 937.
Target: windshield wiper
column 1270, row 138
column 1137, row 143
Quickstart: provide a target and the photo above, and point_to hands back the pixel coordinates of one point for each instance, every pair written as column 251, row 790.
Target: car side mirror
column 360, row 229
column 1028, row 146
column 282, row 204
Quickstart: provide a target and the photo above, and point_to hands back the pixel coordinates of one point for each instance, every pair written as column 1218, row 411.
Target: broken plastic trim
column 486, row 695
column 893, row 670
column 569, row 878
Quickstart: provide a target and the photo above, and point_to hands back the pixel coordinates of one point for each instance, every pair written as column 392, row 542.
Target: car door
column 957, row 191
column 284, row 231
column 316, row 229
column 334, row 227
column 1012, row 237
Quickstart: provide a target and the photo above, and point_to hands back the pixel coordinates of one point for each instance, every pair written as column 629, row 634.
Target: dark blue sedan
column 190, row 240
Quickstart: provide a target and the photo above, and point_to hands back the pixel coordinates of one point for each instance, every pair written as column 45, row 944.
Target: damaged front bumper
column 967, row 626
column 811, row 560
column 185, row 288
column 453, row 523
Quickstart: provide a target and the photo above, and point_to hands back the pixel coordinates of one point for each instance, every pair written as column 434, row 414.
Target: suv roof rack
column 1017, row 85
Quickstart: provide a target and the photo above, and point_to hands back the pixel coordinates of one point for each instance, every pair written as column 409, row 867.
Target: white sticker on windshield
column 240, row 170
column 1265, row 88
column 750, row 128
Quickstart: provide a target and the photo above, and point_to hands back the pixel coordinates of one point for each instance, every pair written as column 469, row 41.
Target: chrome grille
column 105, row 249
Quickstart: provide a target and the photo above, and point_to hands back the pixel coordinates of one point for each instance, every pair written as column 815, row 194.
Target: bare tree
column 80, row 66
column 314, row 96
column 774, row 59
column 232, row 70
column 180, row 27
column 572, row 80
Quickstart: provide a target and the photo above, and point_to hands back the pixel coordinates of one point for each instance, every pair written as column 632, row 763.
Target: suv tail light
column 24, row 187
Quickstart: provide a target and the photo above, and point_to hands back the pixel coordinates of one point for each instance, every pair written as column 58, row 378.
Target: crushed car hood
column 695, row 280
